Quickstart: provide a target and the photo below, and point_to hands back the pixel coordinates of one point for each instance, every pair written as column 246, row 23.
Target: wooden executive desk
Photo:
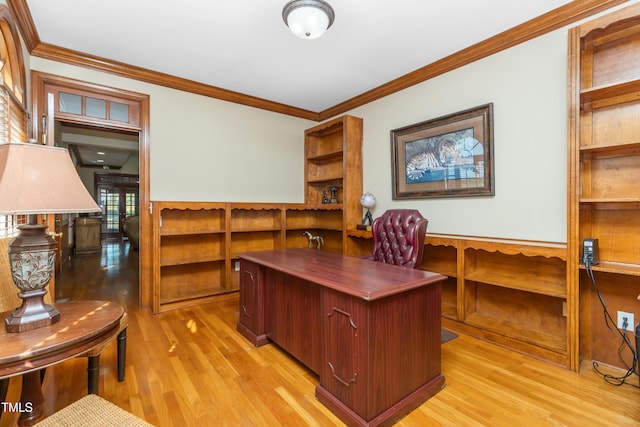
column 371, row 331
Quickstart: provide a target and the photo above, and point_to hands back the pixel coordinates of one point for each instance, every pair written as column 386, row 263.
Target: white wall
column 203, row 149
column 527, row 85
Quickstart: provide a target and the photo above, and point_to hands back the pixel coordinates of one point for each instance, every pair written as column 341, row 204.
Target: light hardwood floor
column 189, row 367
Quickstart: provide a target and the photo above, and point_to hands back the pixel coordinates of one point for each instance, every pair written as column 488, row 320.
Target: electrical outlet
column 236, row 266
column 622, row 315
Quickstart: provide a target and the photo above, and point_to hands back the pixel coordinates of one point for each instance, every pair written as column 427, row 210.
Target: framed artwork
column 449, row 156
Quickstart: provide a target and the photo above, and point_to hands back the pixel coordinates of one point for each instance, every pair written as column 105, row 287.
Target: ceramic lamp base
column 32, row 257
column 32, row 314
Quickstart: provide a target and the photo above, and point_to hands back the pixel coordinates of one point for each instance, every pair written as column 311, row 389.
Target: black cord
column 625, row 343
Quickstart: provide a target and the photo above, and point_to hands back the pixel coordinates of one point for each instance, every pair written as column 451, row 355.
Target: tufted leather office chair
column 398, row 238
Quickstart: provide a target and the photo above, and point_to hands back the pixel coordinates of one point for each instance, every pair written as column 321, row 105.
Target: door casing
column 43, row 83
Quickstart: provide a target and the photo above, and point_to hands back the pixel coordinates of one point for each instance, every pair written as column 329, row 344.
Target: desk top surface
column 358, row 277
column 82, row 326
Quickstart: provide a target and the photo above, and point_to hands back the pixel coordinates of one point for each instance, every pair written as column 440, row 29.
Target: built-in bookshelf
column 604, row 165
column 191, row 256
column 199, row 243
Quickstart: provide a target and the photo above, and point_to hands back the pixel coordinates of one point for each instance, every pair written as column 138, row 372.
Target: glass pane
column 119, row 111
column 70, row 103
column 97, row 108
column 131, row 203
column 110, row 201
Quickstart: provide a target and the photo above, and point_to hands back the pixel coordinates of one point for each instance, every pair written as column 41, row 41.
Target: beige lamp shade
column 40, row 179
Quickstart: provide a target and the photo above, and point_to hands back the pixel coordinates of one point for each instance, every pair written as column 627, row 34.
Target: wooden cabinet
column 190, row 259
column 323, row 221
column 87, row 235
column 517, row 295
column 333, row 157
column 607, row 146
column 252, row 227
column 604, row 170
column 198, row 243
column 509, row 292
column 333, row 162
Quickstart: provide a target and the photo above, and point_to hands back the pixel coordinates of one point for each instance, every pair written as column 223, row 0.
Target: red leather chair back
column 398, row 237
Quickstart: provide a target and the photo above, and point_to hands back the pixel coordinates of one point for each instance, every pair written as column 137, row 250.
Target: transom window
column 98, row 108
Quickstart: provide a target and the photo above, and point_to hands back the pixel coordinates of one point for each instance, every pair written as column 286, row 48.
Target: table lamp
column 367, row 201
column 37, row 179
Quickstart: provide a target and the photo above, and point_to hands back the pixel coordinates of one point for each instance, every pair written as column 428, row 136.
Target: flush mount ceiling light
column 308, row 19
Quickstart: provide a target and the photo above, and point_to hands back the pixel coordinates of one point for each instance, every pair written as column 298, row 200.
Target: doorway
column 108, row 164
column 118, row 195
column 56, row 99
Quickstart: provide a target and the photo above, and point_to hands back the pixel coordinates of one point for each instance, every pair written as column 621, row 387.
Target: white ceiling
column 97, row 148
column 244, row 46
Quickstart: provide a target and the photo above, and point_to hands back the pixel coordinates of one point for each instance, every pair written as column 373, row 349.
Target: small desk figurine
column 319, row 241
column 368, row 201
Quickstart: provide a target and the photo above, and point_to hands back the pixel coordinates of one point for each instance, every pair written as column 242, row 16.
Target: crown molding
column 25, row 23
column 80, row 59
column 558, row 18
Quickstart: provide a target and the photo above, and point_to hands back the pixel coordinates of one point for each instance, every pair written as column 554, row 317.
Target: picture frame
column 449, row 156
